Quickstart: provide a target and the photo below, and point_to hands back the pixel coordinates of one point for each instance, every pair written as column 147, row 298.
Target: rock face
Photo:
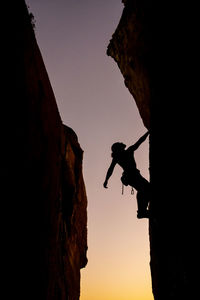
column 132, row 57
column 155, row 48
column 44, row 204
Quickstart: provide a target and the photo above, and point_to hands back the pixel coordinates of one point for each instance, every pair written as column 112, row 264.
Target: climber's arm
column 139, row 142
column 109, row 173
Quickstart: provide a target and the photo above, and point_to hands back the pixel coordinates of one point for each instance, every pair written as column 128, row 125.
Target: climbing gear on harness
column 122, row 189
column 132, row 190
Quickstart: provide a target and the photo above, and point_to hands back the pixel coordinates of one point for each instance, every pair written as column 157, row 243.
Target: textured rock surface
column 155, row 47
column 133, row 57
column 44, row 207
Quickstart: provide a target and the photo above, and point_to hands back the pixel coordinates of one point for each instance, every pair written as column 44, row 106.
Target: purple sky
column 92, row 99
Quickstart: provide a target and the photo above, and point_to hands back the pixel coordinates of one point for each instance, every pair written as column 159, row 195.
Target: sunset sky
column 73, row 36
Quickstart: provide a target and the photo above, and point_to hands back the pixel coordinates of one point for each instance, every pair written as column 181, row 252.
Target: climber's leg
column 142, row 201
column 142, row 186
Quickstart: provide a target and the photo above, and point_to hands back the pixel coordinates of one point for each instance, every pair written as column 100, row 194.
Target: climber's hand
column 105, row 184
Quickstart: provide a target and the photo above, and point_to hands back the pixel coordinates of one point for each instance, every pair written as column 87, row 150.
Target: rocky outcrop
column 133, row 57
column 44, row 207
column 149, row 45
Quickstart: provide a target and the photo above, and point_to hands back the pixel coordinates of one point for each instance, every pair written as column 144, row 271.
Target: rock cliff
column 155, row 48
column 132, row 57
column 44, row 204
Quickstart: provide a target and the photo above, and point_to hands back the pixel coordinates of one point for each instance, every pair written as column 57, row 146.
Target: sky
column 92, row 99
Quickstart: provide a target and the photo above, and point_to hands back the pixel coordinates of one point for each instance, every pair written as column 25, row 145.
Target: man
column 131, row 175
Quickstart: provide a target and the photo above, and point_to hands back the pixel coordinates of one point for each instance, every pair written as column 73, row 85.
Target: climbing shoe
column 143, row 214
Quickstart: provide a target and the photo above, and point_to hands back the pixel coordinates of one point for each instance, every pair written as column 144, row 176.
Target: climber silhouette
column 131, row 175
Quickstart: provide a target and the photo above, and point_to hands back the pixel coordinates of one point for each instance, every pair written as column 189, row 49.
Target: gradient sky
column 92, row 99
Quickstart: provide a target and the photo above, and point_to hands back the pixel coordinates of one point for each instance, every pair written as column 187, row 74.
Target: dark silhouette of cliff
column 156, row 48
column 43, row 199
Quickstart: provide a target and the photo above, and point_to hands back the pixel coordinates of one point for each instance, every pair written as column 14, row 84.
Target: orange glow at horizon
column 120, row 270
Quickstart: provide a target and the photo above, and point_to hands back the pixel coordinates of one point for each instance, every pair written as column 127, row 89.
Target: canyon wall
column 130, row 49
column 155, row 47
column 44, row 204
